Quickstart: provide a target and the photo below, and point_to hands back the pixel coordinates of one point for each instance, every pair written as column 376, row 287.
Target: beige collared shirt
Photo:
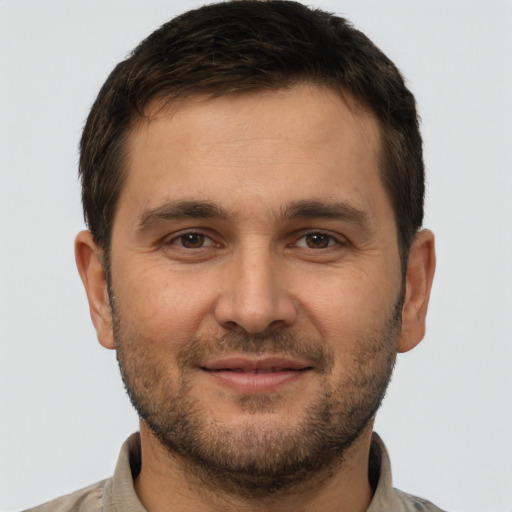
column 117, row 494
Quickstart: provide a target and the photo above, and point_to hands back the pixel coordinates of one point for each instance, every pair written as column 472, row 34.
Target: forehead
column 276, row 146
column 303, row 112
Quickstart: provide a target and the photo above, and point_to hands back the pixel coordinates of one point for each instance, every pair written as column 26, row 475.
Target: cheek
column 346, row 302
column 160, row 306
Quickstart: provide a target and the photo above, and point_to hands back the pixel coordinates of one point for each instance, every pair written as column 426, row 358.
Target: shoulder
column 88, row 499
column 415, row 504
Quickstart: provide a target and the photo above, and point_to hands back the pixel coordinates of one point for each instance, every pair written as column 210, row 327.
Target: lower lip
column 246, row 382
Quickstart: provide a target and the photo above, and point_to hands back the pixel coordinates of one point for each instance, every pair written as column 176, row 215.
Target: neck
column 169, row 483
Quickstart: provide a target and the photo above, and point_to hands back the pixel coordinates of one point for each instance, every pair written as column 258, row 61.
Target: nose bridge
column 254, row 295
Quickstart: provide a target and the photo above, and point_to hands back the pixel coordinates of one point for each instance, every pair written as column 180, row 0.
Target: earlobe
column 90, row 268
column 420, row 274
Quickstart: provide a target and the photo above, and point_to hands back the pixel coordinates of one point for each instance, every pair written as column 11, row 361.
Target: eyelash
column 181, row 237
column 332, row 241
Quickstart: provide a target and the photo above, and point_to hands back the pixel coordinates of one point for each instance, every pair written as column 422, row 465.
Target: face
column 257, row 292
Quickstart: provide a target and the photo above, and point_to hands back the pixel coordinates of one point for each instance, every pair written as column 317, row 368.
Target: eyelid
column 335, row 239
column 172, row 240
column 339, row 240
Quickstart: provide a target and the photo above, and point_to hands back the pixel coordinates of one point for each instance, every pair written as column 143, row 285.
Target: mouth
column 250, row 375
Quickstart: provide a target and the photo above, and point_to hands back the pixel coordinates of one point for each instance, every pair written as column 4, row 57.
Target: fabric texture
column 117, row 494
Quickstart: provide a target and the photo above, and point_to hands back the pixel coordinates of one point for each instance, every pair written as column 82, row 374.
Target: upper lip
column 251, row 364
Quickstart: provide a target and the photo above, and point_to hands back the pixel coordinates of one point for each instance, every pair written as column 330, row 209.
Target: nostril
column 230, row 325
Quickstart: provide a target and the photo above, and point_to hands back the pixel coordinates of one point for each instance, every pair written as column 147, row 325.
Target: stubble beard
column 259, row 458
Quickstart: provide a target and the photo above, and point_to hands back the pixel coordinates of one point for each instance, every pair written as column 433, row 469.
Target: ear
column 90, row 268
column 420, row 274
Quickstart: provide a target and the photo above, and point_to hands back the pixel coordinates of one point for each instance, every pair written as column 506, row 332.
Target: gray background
column 448, row 414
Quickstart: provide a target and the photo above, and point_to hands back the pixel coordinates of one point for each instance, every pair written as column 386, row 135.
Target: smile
column 269, row 370
column 247, row 375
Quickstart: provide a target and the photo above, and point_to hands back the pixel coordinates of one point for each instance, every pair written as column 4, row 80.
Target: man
column 253, row 184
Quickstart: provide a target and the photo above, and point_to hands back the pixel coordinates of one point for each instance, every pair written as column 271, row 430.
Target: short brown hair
column 250, row 45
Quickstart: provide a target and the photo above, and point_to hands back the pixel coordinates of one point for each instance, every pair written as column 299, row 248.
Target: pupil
column 318, row 240
column 193, row 240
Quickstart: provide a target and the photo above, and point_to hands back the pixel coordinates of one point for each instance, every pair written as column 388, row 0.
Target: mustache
column 312, row 352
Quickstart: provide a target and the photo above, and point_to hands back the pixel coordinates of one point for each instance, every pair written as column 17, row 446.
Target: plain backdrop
column 448, row 415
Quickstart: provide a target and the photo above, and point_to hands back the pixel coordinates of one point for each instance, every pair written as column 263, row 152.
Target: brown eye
column 317, row 240
column 192, row 240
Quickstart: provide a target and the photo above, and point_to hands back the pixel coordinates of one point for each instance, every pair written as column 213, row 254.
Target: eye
column 192, row 241
column 316, row 240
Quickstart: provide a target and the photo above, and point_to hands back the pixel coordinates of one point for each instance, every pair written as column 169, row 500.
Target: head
column 253, row 184
column 246, row 46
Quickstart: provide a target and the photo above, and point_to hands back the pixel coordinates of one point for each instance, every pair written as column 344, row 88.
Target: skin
column 331, row 279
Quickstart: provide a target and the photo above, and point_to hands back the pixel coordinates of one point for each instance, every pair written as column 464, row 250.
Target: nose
column 254, row 295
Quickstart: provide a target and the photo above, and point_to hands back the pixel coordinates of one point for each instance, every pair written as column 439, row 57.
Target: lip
column 256, row 375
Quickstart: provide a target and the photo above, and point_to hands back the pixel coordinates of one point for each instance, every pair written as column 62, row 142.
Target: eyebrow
column 178, row 210
column 299, row 210
column 339, row 210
